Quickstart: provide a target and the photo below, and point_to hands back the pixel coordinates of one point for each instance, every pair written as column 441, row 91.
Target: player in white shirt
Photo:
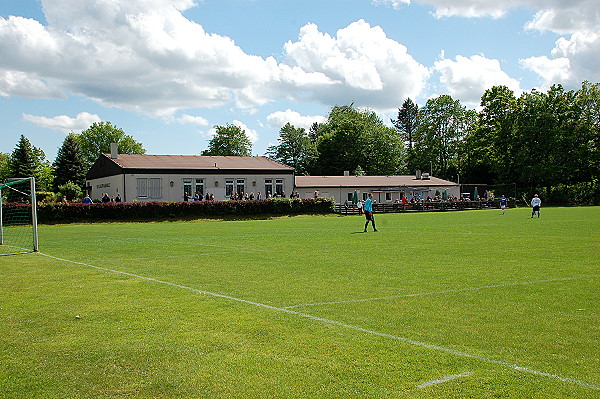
column 536, row 202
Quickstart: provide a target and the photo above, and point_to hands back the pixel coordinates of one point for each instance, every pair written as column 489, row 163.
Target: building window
column 350, row 195
column 279, row 187
column 200, row 187
column 187, row 188
column 240, row 186
column 228, row 187
column 388, row 196
column 155, row 188
column 142, row 188
column 268, row 187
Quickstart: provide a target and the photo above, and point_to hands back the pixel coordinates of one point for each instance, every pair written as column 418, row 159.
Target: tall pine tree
column 69, row 164
column 23, row 159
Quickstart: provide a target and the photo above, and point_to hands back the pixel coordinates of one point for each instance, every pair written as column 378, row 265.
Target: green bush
column 147, row 211
column 586, row 193
column 70, row 190
column 45, row 196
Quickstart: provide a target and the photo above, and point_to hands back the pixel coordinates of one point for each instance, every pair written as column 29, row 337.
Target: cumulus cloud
column 147, row 57
column 576, row 54
column 360, row 64
column 64, row 123
column 467, row 78
column 572, row 61
column 186, row 119
column 278, row 119
column 16, row 83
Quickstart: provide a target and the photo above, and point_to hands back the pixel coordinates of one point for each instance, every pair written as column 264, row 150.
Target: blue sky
column 168, row 71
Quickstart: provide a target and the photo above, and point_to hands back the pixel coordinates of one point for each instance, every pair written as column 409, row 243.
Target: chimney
column 346, row 173
column 114, row 152
column 418, row 174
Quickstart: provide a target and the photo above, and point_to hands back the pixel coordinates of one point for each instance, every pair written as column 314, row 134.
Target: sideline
column 340, row 324
column 442, row 292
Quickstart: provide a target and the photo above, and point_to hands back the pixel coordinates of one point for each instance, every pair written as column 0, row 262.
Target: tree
column 406, row 125
column 407, row 121
column 96, row 141
column 443, row 124
column 4, row 166
column 295, row 148
column 27, row 161
column 588, row 102
column 69, row 164
column 229, row 140
column 23, row 160
column 352, row 139
column 489, row 148
column 547, row 142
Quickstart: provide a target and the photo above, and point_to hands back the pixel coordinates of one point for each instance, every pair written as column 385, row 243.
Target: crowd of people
column 241, row 196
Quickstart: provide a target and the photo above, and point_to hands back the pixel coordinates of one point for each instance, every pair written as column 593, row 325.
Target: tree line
column 547, row 142
column 540, row 141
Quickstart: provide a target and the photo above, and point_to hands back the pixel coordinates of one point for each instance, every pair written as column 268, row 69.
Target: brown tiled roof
column 143, row 161
column 369, row 181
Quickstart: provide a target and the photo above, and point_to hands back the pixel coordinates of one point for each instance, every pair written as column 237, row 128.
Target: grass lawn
column 437, row 305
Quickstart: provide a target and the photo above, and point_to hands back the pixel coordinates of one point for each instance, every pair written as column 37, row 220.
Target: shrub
column 138, row 211
column 45, row 196
column 70, row 190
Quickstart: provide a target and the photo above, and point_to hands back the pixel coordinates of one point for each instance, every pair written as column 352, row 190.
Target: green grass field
column 436, row 305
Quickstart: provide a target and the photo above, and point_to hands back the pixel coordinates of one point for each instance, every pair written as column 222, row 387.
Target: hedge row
column 146, row 211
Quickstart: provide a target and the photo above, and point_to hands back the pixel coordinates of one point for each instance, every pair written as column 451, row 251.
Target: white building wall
column 170, row 187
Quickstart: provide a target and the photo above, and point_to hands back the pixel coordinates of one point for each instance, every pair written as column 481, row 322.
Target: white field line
column 442, row 292
column 347, row 326
column 443, row 379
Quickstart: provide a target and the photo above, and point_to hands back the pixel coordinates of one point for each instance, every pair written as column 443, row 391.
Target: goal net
column 18, row 216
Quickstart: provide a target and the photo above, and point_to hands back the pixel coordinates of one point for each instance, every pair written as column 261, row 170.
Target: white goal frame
column 32, row 200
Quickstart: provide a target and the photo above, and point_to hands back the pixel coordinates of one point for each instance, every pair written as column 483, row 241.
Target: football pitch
column 470, row 304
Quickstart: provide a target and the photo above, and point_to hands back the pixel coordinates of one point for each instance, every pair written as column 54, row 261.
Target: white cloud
column 15, row 83
column 396, row 4
column 550, row 70
column 64, row 123
column 186, row 119
column 145, row 56
column 468, row 78
column 573, row 61
column 278, row 119
column 359, row 64
column 575, row 57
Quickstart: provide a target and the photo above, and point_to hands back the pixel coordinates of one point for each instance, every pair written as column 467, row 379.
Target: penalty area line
column 381, row 298
column 344, row 325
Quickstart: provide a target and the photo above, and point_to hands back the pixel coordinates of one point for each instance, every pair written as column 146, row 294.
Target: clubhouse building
column 385, row 189
column 170, row 178
column 177, row 177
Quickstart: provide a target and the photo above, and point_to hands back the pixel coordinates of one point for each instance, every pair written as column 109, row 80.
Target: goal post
column 18, row 216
